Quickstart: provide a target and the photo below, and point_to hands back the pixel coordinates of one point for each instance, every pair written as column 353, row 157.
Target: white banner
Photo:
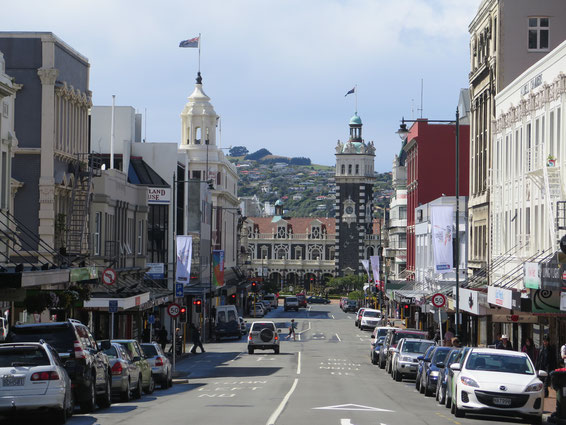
column 375, row 269
column 184, row 256
column 365, row 263
column 442, row 218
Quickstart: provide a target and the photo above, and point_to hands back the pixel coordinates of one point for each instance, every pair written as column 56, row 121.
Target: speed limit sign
column 438, row 300
column 174, row 310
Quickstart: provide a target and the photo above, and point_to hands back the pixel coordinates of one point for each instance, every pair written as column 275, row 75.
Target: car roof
column 372, row 309
column 497, row 351
column 418, row 340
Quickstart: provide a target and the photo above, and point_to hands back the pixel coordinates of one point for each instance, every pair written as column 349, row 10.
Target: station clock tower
column 354, row 195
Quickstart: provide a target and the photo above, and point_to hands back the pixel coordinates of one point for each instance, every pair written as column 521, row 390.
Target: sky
column 276, row 70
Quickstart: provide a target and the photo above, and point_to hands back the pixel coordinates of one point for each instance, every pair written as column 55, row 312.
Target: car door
column 143, row 363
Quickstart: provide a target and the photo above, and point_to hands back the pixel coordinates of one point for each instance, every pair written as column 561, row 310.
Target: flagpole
column 199, row 52
column 356, row 93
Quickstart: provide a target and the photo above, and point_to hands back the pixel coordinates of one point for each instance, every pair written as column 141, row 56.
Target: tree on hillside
column 257, row 154
column 300, row 160
column 238, row 151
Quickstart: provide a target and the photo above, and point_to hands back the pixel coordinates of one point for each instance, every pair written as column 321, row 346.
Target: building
column 506, row 37
column 354, row 194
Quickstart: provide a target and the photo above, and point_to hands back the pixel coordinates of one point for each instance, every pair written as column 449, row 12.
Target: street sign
column 151, row 319
column 109, row 276
column 438, row 300
column 112, row 306
column 179, row 289
column 174, row 310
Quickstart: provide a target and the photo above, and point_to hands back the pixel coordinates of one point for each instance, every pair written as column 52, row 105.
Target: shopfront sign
column 79, row 274
column 551, row 275
column 531, row 277
column 158, row 195
column 514, row 318
column 545, row 301
column 472, row 301
column 156, row 270
column 500, row 297
column 218, row 267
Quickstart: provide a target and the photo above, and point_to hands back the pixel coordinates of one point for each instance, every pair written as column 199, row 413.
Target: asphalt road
column 323, row 377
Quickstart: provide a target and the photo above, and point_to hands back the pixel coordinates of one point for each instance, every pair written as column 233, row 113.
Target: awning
column 123, row 303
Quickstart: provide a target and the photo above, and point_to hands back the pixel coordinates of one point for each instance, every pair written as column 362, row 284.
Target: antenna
column 422, row 91
column 145, row 126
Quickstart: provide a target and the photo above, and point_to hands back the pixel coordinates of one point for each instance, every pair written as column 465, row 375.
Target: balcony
column 292, row 236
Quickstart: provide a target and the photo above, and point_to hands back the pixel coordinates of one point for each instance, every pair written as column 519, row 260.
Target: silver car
column 126, row 382
column 160, row 365
column 404, row 363
column 33, row 377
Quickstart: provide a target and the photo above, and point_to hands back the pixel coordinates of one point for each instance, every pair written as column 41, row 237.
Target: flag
column 191, row 42
column 350, row 92
column 374, row 260
column 184, row 256
column 442, row 222
column 365, row 263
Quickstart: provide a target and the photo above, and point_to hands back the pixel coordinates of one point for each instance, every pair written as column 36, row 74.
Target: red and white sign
column 109, row 276
column 438, row 300
column 174, row 310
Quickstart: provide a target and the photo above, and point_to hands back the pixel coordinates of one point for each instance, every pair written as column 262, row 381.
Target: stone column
column 48, row 77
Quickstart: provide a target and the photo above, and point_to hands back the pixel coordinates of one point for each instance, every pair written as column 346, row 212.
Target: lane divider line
column 338, row 338
column 307, row 329
column 275, row 415
column 299, row 364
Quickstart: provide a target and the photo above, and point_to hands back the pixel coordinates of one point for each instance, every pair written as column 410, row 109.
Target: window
column 5, row 189
column 140, row 237
column 196, row 175
column 538, row 33
column 298, row 253
column 350, row 169
column 402, row 213
column 357, row 169
column 343, row 169
column 97, row 230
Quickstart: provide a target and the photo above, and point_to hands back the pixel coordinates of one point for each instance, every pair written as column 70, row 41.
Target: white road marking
column 307, row 329
column 299, row 364
column 299, row 336
column 346, row 422
column 357, row 407
column 338, row 338
column 273, row 418
column 332, row 316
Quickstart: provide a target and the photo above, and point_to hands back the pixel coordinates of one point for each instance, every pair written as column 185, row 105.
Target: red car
column 302, row 300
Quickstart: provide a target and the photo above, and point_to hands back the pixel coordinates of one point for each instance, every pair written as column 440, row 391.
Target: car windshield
column 399, row 335
column 380, row 340
column 111, row 352
column 23, row 356
column 149, row 350
column 292, row 299
column 258, row 326
column 61, row 338
column 440, row 355
column 491, row 362
column 416, row 346
column 371, row 314
column 382, row 332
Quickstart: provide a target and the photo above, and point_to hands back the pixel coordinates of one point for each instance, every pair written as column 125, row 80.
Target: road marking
column 273, row 418
column 307, row 329
column 346, row 422
column 299, row 337
column 338, row 338
column 299, row 364
column 357, row 407
column 332, row 316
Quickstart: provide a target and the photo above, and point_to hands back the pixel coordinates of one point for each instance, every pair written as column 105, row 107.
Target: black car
column 87, row 365
column 431, row 370
column 422, row 360
column 317, row 300
column 351, row 305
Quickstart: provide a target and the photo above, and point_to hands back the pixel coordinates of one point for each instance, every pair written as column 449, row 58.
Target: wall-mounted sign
column 156, row 270
column 545, row 301
column 472, row 301
column 531, row 277
column 500, row 297
column 158, row 195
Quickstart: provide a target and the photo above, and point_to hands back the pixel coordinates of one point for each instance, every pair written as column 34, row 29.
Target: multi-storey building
column 506, row 37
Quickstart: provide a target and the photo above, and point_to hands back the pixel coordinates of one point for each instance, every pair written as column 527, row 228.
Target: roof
column 141, row 173
column 299, row 224
column 355, row 120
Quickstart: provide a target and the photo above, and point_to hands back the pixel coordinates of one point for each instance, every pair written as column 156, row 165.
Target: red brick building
column 431, row 170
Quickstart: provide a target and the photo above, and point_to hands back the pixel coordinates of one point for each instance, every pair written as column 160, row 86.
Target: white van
column 227, row 322
column 272, row 299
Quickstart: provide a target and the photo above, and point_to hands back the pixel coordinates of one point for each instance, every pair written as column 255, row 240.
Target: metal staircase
column 552, row 194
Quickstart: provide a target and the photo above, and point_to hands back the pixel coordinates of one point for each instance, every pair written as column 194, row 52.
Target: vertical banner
column 375, row 269
column 184, row 256
column 365, row 263
column 442, row 222
column 218, row 267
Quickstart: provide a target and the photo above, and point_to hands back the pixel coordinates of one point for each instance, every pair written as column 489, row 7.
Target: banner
column 500, row 297
column 442, row 218
column 531, row 278
column 365, row 263
column 218, row 268
column 184, row 256
column 375, row 269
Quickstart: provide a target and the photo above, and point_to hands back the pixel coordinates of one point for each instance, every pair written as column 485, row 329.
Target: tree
column 258, row 154
column 238, row 151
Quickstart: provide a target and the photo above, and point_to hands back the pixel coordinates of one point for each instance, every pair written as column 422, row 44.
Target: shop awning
column 123, row 303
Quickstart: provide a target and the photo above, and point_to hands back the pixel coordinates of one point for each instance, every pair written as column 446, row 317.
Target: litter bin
column 558, row 382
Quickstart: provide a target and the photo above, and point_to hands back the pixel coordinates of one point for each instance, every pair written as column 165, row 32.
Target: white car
column 498, row 382
column 263, row 336
column 33, row 378
column 161, row 367
column 370, row 318
column 259, row 310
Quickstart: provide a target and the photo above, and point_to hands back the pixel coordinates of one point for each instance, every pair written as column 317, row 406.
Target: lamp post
column 403, row 133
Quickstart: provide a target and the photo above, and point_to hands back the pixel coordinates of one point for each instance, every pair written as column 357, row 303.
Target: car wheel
column 151, row 387
column 105, row 400
column 250, row 350
column 381, row 364
column 421, row 387
column 459, row 413
column 427, row 391
column 373, row 359
column 88, row 405
column 418, row 384
column 126, row 396
column 138, row 391
column 398, row 376
column 170, row 379
column 536, row 420
column 448, row 401
column 276, row 350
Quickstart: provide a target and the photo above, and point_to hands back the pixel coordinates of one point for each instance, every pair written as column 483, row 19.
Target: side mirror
column 440, row 365
column 455, row 367
column 105, row 344
column 542, row 373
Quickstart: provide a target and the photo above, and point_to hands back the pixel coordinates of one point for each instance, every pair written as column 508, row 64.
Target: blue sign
column 151, row 319
column 179, row 290
column 113, row 306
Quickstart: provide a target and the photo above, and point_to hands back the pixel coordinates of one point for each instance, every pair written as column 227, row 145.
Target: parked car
column 227, row 322
column 499, row 382
column 243, row 329
column 161, row 367
column 126, row 375
column 291, row 303
column 404, row 362
column 443, row 375
column 272, row 298
column 313, row 299
column 138, row 357
column 257, row 310
column 266, row 304
column 302, row 298
column 263, row 336
column 431, row 370
column 422, row 359
column 452, row 375
column 87, row 366
column 358, row 316
column 343, row 302
column 374, row 350
column 369, row 319
column 393, row 337
column 33, row 378
column 350, row 306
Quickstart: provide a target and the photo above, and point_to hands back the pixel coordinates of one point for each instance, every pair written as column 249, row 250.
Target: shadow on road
column 225, row 372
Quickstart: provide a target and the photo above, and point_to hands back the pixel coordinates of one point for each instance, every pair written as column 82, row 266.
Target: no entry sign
column 109, row 276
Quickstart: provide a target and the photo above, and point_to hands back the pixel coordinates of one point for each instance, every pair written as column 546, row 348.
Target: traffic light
column 254, row 287
column 232, row 299
column 197, row 304
column 183, row 314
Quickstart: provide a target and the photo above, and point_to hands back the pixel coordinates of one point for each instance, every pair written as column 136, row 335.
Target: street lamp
column 403, row 134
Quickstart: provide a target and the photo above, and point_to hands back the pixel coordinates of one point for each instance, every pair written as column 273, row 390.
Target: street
column 323, row 377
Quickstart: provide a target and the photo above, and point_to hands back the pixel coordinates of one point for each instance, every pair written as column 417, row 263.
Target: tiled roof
column 298, row 224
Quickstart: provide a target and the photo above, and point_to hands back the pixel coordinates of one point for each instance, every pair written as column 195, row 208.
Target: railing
column 294, row 236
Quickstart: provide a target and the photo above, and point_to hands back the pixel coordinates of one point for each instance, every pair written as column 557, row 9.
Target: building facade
column 354, row 195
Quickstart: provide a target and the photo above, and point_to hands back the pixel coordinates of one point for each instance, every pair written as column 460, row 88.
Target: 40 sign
column 174, row 310
column 438, row 300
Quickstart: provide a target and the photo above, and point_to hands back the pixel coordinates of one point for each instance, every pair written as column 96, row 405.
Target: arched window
column 281, row 254
column 264, row 252
column 350, row 169
column 198, row 135
column 315, row 254
column 343, row 169
column 357, row 169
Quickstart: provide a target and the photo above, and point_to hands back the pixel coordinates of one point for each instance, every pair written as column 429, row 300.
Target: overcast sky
column 276, row 71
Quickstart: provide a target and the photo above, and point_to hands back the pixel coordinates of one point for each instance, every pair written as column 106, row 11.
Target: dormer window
column 315, row 232
column 281, row 232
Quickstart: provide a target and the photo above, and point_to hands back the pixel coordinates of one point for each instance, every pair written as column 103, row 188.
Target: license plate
column 502, row 401
column 12, row 381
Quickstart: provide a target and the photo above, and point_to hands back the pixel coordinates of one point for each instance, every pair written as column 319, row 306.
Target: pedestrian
column 497, row 340
column 456, row 342
column 291, row 330
column 195, row 334
column 530, row 349
column 563, row 354
column 162, row 335
column 178, row 342
column 546, row 361
column 146, row 336
column 448, row 335
column 504, row 344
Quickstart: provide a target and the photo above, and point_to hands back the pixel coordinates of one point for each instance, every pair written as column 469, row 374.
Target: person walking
column 292, row 330
column 162, row 335
column 504, row 344
column 530, row 349
column 195, row 334
column 546, row 361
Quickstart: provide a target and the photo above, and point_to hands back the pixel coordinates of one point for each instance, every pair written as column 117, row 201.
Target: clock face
column 349, row 210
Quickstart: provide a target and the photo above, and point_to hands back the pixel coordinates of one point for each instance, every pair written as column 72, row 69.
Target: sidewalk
column 549, row 405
